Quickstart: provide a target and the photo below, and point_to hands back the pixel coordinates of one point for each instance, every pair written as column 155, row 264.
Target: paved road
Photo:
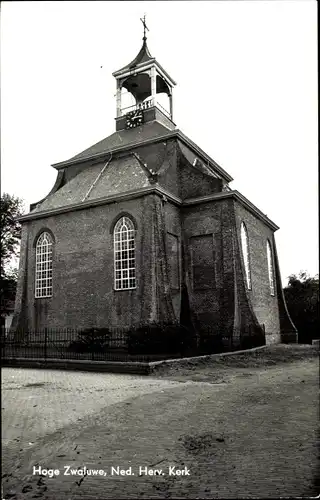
column 253, row 436
column 40, row 402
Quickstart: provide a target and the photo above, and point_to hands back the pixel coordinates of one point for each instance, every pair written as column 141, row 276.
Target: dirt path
column 251, row 436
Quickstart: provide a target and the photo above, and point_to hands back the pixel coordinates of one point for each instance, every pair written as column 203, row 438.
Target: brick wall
column 173, row 237
column 265, row 305
column 195, row 183
column 83, row 294
column 202, row 224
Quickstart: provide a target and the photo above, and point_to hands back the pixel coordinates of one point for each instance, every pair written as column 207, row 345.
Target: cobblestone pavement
column 36, row 403
column 246, row 438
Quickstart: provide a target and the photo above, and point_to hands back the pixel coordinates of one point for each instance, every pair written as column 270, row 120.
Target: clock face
column 134, row 118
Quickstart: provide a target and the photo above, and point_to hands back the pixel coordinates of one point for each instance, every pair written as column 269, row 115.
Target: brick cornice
column 128, row 195
column 238, row 197
column 160, row 191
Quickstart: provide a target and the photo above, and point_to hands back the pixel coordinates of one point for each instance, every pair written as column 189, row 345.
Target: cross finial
column 145, row 27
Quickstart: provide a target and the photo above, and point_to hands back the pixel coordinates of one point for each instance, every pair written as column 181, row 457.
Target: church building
column 143, row 228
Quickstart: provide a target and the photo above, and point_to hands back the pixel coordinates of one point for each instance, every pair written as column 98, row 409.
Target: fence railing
column 135, row 107
column 65, row 344
column 142, row 343
column 144, row 105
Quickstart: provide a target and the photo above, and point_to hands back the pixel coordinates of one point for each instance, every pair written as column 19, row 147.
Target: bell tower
column 144, row 78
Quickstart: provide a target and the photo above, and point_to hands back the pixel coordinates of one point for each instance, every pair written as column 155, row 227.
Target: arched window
column 270, row 267
column 44, row 265
column 245, row 253
column 124, row 255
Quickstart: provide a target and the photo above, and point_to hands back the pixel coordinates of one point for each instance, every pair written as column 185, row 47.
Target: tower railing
column 144, row 105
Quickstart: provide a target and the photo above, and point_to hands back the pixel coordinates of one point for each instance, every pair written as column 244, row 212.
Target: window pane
column 245, row 254
column 43, row 274
column 124, row 254
column 270, row 268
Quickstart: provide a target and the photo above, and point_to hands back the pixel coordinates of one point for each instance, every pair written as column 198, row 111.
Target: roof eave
column 255, row 210
column 127, row 70
column 131, row 69
column 136, row 193
column 118, row 197
column 204, row 155
column 238, row 197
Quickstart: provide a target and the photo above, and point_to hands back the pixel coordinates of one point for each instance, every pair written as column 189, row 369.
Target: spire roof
column 142, row 57
column 144, row 54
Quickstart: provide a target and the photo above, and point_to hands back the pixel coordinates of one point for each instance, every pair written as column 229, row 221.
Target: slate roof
column 150, row 130
column 123, row 138
column 121, row 175
column 192, row 158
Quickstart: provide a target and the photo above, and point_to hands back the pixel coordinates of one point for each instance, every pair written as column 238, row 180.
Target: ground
column 242, row 426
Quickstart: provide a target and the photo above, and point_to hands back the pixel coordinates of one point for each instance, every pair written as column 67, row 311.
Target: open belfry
column 143, row 228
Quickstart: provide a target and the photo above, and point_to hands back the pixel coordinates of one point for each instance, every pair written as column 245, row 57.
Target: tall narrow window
column 44, row 266
column 270, row 267
column 124, row 255
column 245, row 253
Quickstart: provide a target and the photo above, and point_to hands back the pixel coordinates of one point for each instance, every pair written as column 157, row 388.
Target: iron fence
column 94, row 345
column 144, row 343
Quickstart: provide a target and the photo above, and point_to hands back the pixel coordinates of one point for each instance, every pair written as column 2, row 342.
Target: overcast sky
column 246, row 93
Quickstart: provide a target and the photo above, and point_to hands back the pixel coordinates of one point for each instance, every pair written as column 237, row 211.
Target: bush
column 250, row 341
column 211, row 343
column 91, row 340
column 158, row 338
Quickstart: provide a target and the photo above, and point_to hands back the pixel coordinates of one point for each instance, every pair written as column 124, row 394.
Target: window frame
column 271, row 274
column 44, row 265
column 124, row 254
column 244, row 238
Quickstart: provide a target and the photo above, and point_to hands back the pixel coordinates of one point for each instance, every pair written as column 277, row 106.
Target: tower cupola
column 144, row 78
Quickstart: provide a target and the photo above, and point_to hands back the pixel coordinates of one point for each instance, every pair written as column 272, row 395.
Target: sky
column 246, row 93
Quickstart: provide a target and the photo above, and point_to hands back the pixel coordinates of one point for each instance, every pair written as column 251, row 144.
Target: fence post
column 92, row 345
column 45, row 342
column 3, row 341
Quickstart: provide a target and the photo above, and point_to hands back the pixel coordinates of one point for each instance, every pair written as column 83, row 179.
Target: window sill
column 124, row 289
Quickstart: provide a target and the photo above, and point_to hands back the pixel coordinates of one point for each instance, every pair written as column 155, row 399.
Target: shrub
column 159, row 338
column 90, row 340
column 211, row 343
column 255, row 340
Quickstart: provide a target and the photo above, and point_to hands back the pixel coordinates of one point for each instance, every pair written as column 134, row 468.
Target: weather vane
column 145, row 27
